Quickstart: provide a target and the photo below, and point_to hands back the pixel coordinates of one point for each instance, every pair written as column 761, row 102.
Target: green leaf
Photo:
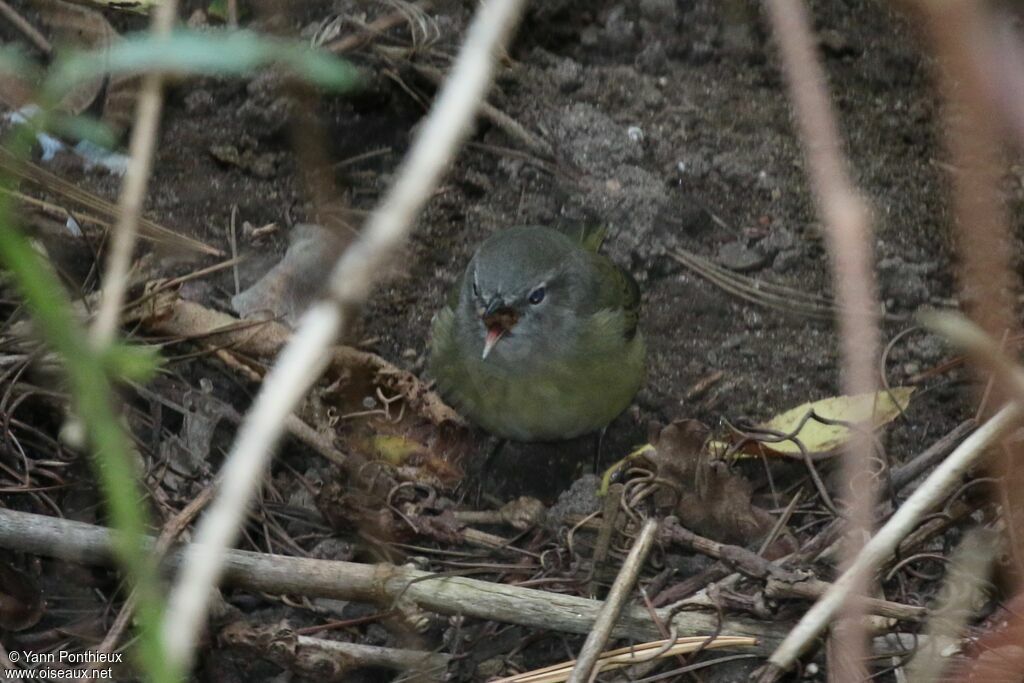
column 209, row 52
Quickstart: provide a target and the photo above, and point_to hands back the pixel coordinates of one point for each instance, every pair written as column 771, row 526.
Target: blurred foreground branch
column 352, row 280
column 847, row 222
column 133, row 193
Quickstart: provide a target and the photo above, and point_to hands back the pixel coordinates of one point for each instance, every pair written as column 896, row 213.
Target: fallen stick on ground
column 780, row 582
column 629, row 656
column 326, row 660
column 383, row 583
column 617, row 597
column 939, row 484
column 506, row 123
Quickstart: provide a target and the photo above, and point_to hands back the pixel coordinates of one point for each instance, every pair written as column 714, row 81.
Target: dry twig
column 965, row 37
column 324, row 659
column 781, row 582
column 68, row 191
column 602, row 630
column 849, row 238
column 133, row 193
column 27, row 29
column 629, row 656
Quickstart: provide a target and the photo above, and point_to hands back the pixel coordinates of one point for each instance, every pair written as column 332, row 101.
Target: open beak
column 498, row 319
column 494, row 333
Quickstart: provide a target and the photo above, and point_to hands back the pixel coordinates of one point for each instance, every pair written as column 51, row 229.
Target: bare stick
column 982, row 349
column 509, row 125
column 326, row 659
column 305, row 356
column 133, row 192
column 849, row 236
column 371, row 655
column 381, row 583
column 825, row 540
column 939, row 484
column 780, row 581
column 614, row 603
column 964, row 35
column 27, row 29
column 375, row 28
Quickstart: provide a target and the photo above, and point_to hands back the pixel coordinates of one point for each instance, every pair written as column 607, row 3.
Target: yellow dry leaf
column 879, row 408
column 393, row 449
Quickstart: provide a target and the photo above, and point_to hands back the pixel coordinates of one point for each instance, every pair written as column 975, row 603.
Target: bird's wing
column 589, row 236
column 618, row 291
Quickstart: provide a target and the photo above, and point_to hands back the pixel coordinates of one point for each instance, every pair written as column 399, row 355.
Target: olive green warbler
column 539, row 340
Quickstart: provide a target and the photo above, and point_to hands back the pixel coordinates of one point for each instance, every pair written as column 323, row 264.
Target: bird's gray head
column 523, row 293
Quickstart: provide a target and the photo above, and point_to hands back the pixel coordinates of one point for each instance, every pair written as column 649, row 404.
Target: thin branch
column 323, row 659
column 780, row 581
column 937, row 486
column 133, row 192
column 847, row 221
column 353, row 41
column 983, row 351
column 965, row 37
column 51, row 183
column 380, row 583
column 636, row 656
column 506, row 123
column 27, row 29
column 354, row 275
column 617, row 596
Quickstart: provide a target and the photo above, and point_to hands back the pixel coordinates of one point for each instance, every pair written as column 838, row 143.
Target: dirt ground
column 667, row 122
column 669, row 125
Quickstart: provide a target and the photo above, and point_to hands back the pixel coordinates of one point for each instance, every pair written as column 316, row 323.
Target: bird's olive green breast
column 563, row 395
column 569, row 362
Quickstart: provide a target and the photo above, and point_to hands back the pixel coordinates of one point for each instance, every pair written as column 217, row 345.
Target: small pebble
column 741, row 258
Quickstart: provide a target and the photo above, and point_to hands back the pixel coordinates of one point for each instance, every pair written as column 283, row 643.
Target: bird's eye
column 536, row 296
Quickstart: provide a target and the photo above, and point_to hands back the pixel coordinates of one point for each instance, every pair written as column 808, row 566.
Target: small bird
column 539, row 339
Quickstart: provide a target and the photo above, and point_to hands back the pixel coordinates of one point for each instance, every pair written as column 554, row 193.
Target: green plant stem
column 93, row 400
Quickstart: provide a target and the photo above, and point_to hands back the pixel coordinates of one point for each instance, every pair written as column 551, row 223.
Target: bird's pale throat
column 497, row 324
